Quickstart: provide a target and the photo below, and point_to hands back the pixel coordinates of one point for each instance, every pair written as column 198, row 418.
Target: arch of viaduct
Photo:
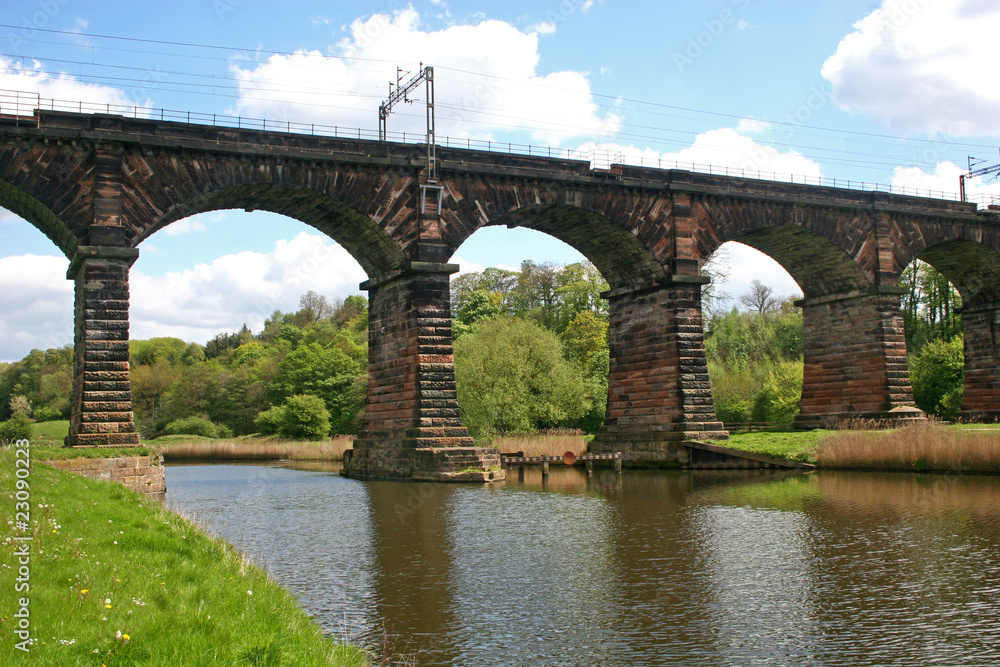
column 98, row 185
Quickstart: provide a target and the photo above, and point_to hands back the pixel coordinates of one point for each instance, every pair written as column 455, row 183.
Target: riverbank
column 920, row 447
column 114, row 578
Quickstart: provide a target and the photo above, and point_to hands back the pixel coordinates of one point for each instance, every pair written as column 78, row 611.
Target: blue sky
column 896, row 92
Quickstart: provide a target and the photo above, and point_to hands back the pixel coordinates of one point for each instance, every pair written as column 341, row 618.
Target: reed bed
column 256, row 450
column 548, row 443
column 920, row 447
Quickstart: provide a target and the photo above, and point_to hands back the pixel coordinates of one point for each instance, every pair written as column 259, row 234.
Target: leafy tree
column 480, row 305
column 780, row 394
column 586, row 342
column 43, row 378
column 313, row 307
column 937, row 373
column 149, row 388
column 512, row 376
column 149, row 352
column 328, row 373
column 930, row 306
column 302, row 417
column 223, row 342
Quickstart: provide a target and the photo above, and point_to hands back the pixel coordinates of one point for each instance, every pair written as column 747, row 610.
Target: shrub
column 937, row 373
column 47, row 414
column 269, row 421
column 306, row 417
column 18, row 427
column 193, row 425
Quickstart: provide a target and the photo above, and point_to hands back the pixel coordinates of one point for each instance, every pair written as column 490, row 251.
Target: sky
column 897, row 93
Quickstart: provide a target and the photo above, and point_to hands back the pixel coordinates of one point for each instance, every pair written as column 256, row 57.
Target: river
column 641, row 568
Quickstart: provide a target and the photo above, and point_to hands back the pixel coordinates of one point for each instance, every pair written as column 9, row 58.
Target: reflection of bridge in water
column 643, row 568
column 98, row 185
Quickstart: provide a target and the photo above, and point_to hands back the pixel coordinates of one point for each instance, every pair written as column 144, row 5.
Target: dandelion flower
column 126, row 637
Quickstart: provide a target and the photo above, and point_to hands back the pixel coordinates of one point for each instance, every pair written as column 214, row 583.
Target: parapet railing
column 21, row 107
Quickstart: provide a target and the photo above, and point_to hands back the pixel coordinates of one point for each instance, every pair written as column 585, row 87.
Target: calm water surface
column 644, row 568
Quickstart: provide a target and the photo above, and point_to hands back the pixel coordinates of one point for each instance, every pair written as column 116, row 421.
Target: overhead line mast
column 980, row 171
column 401, row 94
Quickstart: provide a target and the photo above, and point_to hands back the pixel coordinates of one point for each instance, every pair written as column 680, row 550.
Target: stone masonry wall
column 981, row 397
column 412, row 427
column 659, row 393
column 143, row 474
column 855, row 359
column 101, row 411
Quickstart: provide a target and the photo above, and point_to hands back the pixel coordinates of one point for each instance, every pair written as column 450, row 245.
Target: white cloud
column 185, row 226
column 753, row 126
column 922, row 65
column 197, row 303
column 31, row 77
column 485, row 79
column 544, row 28
column 37, row 304
column 718, row 150
column 944, row 179
column 465, row 266
column 193, row 304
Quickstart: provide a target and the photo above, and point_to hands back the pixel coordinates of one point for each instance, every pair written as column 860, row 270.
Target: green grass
column 794, row 445
column 105, row 561
column 50, row 433
column 47, row 445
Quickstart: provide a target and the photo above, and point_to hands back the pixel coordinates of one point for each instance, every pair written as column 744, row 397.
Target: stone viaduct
column 98, row 185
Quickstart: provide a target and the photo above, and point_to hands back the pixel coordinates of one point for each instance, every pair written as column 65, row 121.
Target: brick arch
column 618, row 254
column 373, row 248
column 824, row 251
column 625, row 234
column 973, row 268
column 366, row 211
column 22, row 204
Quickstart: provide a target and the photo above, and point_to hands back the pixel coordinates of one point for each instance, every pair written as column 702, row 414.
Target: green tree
column 300, row 417
column 480, row 305
column 930, row 306
column 328, row 373
column 512, row 376
column 586, row 341
column 149, row 389
column 936, row 373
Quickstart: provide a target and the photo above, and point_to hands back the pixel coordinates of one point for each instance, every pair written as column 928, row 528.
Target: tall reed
column 547, row 443
column 257, row 450
column 923, row 446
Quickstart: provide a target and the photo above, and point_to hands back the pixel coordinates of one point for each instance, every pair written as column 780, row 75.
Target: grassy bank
column 47, row 445
column 115, row 579
column 794, row 445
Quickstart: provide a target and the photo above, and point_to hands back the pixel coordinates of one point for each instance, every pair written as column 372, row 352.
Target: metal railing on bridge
column 21, row 107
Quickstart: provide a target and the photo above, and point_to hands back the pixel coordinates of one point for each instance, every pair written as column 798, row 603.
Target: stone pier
column 412, row 427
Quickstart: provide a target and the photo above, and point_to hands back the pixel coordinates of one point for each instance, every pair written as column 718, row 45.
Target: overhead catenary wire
column 203, row 84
